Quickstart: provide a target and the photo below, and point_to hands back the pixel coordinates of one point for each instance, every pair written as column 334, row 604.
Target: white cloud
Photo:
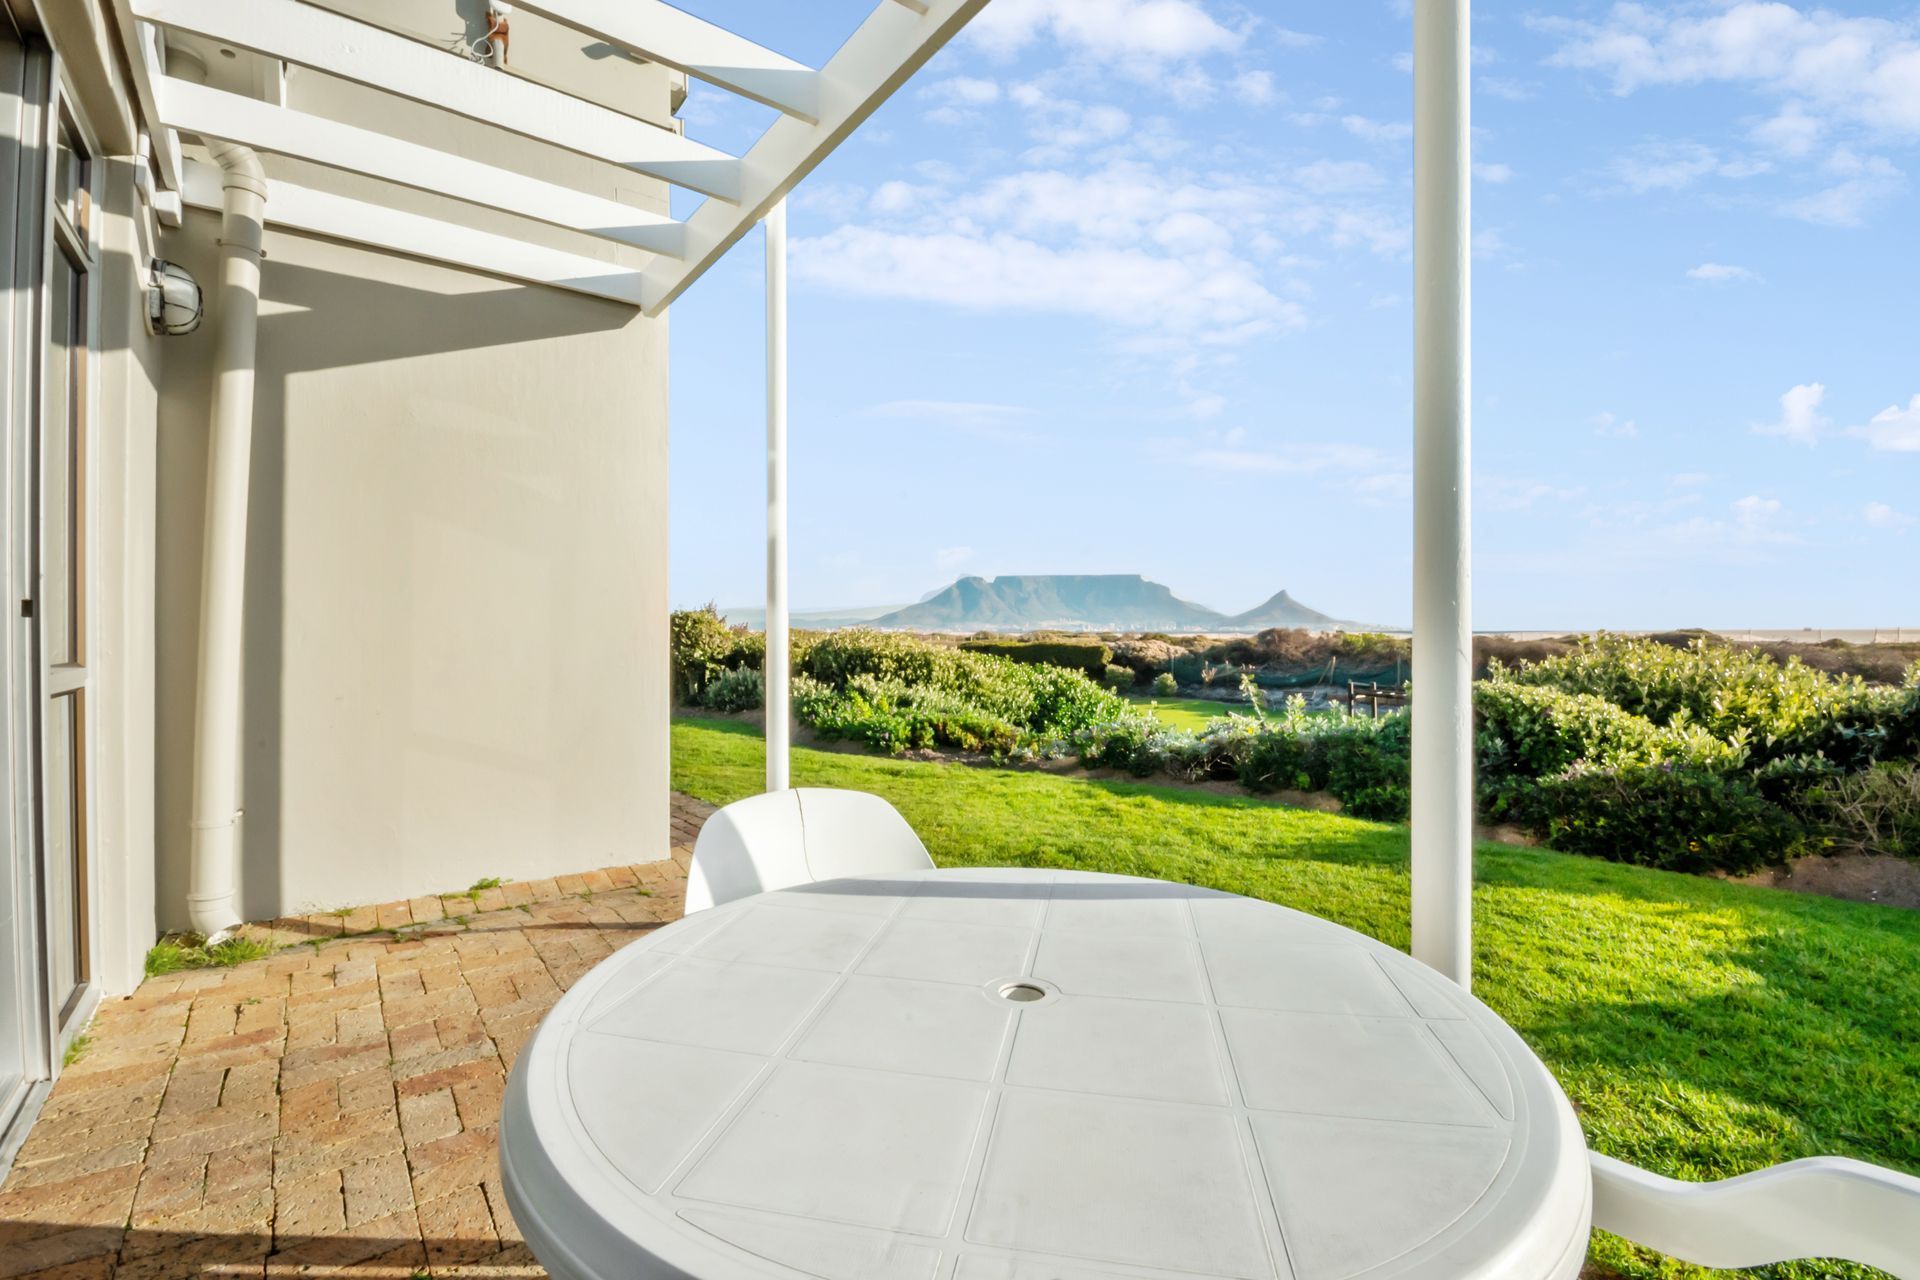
column 1667, row 165
column 1124, row 31
column 1494, row 173
column 1721, row 273
column 1607, row 426
column 1800, row 418
column 1377, row 130
column 1879, row 515
column 1862, row 70
column 1791, row 132
column 897, row 197
column 1893, row 429
column 1206, row 301
column 1868, row 181
column 1504, row 89
column 1255, row 88
column 1327, row 177
column 964, row 91
column 1753, row 511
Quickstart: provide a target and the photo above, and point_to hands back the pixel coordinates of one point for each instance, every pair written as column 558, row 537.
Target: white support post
column 1442, row 705
column 775, row 668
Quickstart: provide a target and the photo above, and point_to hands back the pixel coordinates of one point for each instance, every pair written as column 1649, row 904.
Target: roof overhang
column 649, row 258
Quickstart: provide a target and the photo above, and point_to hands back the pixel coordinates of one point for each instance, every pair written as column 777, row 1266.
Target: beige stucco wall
column 456, row 598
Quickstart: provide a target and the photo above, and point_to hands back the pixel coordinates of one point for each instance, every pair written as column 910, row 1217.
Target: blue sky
column 1122, row 286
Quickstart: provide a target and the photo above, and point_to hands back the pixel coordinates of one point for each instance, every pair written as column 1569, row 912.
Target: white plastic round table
column 1033, row 1075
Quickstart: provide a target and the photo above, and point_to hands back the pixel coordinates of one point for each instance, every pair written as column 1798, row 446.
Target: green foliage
column 900, row 693
column 1677, row 817
column 703, row 647
column 1738, row 695
column 1188, row 669
column 190, row 951
column 741, row 689
column 1533, row 731
column 1118, row 678
column 1090, row 657
column 76, row 1049
column 1165, row 685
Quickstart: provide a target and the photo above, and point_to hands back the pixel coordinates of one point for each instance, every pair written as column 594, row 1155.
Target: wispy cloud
column 1879, row 515
column 1821, row 63
column 1663, row 164
column 1800, row 419
column 1613, row 427
column 1893, row 429
column 1722, row 273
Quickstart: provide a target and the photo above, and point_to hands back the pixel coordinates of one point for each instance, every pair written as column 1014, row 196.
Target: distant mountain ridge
column 1091, row 602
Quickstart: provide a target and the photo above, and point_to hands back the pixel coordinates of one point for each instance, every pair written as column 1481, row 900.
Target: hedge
column 1087, row 656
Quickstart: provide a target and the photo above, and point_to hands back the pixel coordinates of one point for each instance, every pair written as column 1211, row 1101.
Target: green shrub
column 1188, row 668
column 897, row 693
column 741, row 689
column 1738, row 695
column 700, row 643
column 1532, row 731
column 1117, row 678
column 1165, row 685
column 1089, row 657
column 1679, row 817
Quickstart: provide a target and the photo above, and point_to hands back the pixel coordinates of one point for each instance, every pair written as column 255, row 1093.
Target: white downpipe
column 779, row 648
column 1442, row 555
column 212, row 896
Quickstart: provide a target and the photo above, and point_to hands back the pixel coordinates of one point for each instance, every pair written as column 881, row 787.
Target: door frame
column 28, row 226
column 26, row 72
column 70, row 1010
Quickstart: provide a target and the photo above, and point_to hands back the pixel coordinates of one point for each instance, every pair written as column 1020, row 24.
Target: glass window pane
column 70, row 176
column 63, row 866
column 60, row 461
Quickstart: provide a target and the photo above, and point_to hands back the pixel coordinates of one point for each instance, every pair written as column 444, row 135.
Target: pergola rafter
column 819, row 109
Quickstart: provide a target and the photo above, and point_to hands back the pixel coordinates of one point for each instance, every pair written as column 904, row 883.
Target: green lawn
column 1702, row 1029
column 1189, row 713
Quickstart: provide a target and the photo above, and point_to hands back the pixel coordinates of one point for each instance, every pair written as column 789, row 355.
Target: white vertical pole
column 778, row 659
column 1442, row 561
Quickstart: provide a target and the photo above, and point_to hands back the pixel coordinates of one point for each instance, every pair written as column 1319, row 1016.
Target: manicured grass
column 1702, row 1029
column 1191, row 714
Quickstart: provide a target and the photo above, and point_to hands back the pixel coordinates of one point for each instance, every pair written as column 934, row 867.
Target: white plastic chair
column 807, row 834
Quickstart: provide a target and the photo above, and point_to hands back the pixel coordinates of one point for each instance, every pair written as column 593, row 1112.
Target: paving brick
column 458, row 1227
column 323, row 1111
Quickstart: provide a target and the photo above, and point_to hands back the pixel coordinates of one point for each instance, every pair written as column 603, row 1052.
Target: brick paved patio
column 328, row 1110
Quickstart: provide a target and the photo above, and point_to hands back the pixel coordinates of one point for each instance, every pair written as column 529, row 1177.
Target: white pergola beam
column 661, row 33
column 321, row 213
column 1442, row 710
column 141, row 44
column 881, row 56
column 369, row 55
column 285, row 132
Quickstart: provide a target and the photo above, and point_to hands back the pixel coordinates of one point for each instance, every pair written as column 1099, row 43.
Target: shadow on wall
column 432, row 451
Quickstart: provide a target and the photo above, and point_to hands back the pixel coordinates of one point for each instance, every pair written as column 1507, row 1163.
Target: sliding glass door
column 62, row 603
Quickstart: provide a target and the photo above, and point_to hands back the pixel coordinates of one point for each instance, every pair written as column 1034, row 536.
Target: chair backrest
column 785, row 838
column 747, row 847
column 854, row 833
